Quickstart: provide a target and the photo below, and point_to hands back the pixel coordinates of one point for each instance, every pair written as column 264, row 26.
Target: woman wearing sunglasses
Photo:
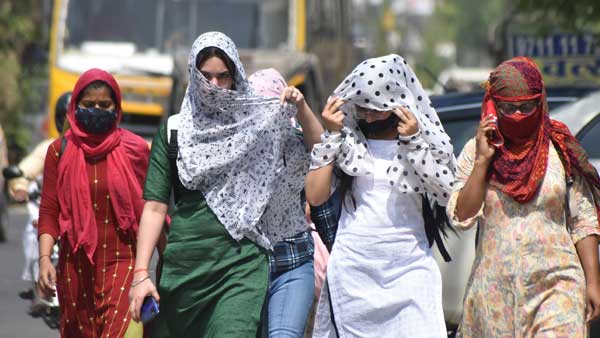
column 528, row 183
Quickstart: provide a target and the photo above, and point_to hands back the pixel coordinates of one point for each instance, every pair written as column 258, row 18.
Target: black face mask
column 94, row 120
column 376, row 127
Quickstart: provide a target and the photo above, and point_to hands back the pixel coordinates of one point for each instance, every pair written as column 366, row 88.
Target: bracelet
column 139, row 281
column 139, row 270
column 42, row 256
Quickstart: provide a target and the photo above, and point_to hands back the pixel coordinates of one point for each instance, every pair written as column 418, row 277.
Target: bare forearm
column 318, row 185
column 587, row 249
column 472, row 195
column 151, row 224
column 46, row 243
column 311, row 127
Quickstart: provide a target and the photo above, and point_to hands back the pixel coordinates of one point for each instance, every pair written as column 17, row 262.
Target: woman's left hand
column 593, row 301
column 407, row 125
column 294, row 96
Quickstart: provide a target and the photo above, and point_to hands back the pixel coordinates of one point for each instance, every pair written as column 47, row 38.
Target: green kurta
column 211, row 286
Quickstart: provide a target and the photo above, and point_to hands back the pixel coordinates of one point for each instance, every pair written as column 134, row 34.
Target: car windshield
column 161, row 25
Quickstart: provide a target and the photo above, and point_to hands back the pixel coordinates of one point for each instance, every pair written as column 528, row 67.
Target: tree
column 20, row 25
column 568, row 15
column 480, row 29
column 472, row 27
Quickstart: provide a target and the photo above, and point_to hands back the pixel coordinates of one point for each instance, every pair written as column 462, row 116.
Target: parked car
column 460, row 114
column 583, row 119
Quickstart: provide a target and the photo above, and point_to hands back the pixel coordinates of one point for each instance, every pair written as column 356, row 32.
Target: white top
column 377, row 204
column 382, row 279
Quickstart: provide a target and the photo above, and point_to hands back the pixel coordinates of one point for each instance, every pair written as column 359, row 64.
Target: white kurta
column 381, row 276
column 30, row 239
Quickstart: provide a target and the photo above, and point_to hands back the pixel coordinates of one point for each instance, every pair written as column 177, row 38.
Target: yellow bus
column 145, row 44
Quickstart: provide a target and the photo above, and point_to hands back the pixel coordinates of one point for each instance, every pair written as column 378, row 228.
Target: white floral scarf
column 231, row 145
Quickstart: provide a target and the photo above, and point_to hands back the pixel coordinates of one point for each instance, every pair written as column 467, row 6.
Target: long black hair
column 60, row 111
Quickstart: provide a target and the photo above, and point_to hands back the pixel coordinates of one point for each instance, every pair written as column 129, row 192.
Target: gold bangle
column 42, row 256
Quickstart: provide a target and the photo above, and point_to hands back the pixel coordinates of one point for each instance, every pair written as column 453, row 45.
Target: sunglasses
column 362, row 113
column 510, row 108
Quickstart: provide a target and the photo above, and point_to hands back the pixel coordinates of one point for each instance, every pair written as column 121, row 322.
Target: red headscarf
column 127, row 161
column 519, row 164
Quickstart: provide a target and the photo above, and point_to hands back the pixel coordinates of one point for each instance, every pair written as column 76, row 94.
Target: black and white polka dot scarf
column 426, row 159
column 231, row 145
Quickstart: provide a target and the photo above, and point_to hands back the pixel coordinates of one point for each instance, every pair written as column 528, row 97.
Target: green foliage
column 566, row 15
column 17, row 25
column 20, row 29
column 480, row 29
column 473, row 26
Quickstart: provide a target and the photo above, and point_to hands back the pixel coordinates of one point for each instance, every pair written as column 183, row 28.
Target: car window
column 460, row 129
column 460, row 132
column 589, row 137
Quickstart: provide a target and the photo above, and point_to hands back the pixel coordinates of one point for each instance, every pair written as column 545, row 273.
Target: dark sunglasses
column 525, row 108
column 361, row 113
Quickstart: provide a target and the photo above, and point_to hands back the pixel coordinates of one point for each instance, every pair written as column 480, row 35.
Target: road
column 14, row 320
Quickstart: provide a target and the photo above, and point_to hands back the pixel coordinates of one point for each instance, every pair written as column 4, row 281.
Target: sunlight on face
column 216, row 72
column 98, row 98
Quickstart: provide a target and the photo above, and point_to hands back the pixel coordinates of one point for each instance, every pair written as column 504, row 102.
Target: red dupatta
column 127, row 160
column 519, row 165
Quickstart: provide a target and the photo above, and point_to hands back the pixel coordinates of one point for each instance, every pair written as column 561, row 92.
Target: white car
column 583, row 119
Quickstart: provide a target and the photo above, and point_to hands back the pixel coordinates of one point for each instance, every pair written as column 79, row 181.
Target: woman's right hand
column 47, row 278
column 333, row 117
column 136, row 297
column 484, row 149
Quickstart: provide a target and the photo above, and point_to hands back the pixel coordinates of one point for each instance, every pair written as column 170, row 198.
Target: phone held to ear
column 494, row 137
column 149, row 310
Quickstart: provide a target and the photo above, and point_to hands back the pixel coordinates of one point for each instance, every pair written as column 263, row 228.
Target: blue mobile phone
column 149, row 309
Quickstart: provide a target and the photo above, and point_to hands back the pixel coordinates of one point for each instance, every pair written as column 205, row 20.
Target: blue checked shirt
column 293, row 252
column 325, row 217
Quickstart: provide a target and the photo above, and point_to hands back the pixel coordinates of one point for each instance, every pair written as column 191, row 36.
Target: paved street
column 14, row 320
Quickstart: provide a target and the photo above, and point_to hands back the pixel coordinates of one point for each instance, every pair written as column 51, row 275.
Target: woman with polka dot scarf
column 386, row 151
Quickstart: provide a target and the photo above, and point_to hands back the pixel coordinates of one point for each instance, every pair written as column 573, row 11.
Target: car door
column 460, row 122
column 589, row 136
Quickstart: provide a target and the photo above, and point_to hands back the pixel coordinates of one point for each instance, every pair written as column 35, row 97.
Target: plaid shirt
column 293, row 252
column 325, row 217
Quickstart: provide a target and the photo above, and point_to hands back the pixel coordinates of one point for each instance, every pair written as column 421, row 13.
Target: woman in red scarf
column 92, row 201
column 528, row 183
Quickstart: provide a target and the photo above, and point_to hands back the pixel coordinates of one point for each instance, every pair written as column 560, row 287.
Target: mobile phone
column 149, row 309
